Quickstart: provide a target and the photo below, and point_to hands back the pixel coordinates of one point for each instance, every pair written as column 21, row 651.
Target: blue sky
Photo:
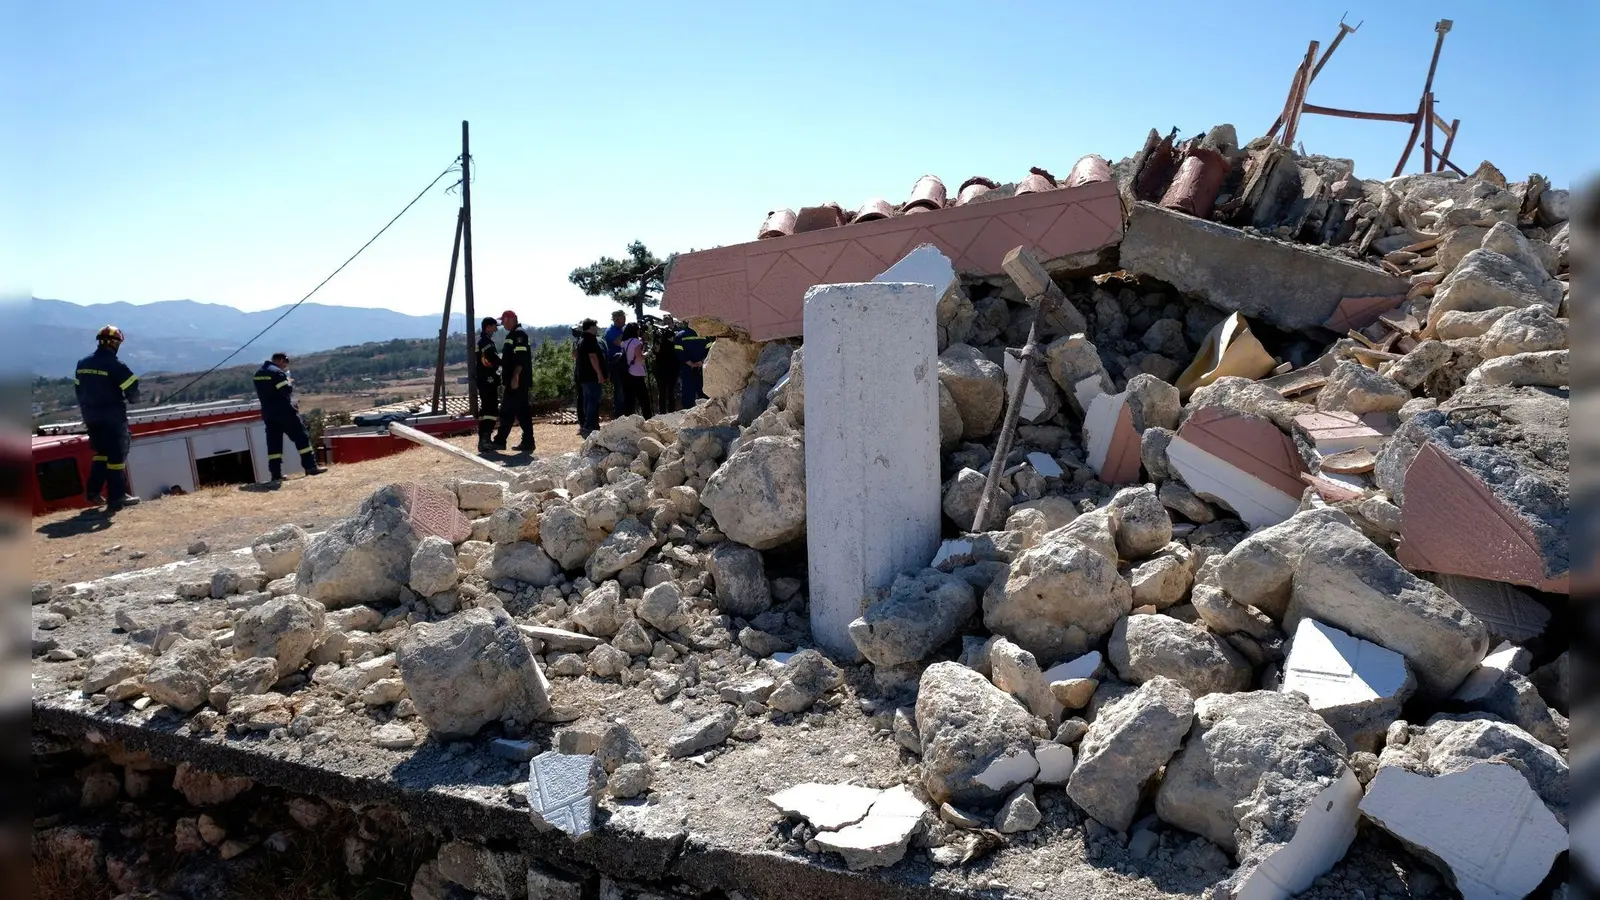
column 237, row 152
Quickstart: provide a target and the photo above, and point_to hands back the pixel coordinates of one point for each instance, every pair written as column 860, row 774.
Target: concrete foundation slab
column 872, row 446
column 1288, row 285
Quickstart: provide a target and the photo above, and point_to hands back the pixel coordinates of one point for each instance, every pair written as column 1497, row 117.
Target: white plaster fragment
column 1055, row 763
column 1009, row 771
column 1484, row 826
column 1089, row 665
column 1320, row 841
column 881, row 838
column 1489, row 673
column 1100, row 425
column 1033, row 405
column 829, row 807
column 955, row 550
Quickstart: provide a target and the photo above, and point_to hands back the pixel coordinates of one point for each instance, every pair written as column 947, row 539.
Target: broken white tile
column 1009, row 771
column 1089, row 665
column 1508, row 613
column 1045, row 464
column 1100, row 422
column 1484, row 824
column 956, row 551
column 1033, row 405
column 1320, row 840
column 561, row 791
column 881, row 838
column 1087, row 389
column 1337, row 431
column 1055, row 763
column 828, row 807
column 1357, row 686
column 1501, row 661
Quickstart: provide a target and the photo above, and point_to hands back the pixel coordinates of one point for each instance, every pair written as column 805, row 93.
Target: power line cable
column 296, row 305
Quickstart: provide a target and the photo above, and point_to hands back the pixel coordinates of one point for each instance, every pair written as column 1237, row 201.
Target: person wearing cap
column 486, row 374
column 591, row 375
column 516, row 369
column 281, row 413
column 666, row 366
column 105, row 386
column 617, row 367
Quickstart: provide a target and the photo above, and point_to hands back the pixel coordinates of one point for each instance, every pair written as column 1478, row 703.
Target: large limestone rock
column 1264, row 777
column 977, row 386
column 977, row 742
column 741, row 576
column 1076, row 368
column 626, row 545
column 1354, row 388
column 1258, row 570
column 566, row 536
column 1126, row 744
column 182, row 676
column 1452, row 743
column 1528, row 330
column 523, row 561
column 1488, row 277
column 1058, row 598
column 469, row 670
column 1142, row 523
column 1346, row 581
column 728, row 366
column 283, row 629
column 363, row 559
column 951, row 428
column 278, row 552
column 433, row 566
column 919, row 613
column 1144, row 647
column 758, row 497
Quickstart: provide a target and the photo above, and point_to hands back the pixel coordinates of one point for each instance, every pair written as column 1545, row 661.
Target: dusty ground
column 80, row 545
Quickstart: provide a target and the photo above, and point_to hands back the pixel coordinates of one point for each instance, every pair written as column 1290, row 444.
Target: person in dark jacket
column 105, row 387
column 692, row 350
column 516, row 368
column 486, row 372
column 616, row 367
column 281, row 412
column 666, row 367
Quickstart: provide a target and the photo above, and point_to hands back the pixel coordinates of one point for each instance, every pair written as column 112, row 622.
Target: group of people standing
column 622, row 358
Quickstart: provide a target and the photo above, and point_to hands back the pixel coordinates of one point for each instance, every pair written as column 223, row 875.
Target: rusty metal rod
column 1416, row 128
column 1406, row 118
column 1322, row 61
column 1297, row 104
column 1442, row 27
column 1449, row 140
column 1008, row 429
column 1427, row 132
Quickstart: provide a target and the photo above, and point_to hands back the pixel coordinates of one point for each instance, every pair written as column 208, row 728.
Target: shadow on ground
column 86, row 522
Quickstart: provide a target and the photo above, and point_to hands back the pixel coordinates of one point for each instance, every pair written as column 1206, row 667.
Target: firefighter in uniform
column 691, row 349
column 486, row 372
column 105, row 387
column 517, row 370
column 282, row 415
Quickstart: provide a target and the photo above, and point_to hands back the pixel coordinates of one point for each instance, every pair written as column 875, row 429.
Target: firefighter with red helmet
column 105, row 386
column 517, row 368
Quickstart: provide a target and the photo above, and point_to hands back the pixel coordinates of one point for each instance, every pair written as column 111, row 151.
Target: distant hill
column 185, row 336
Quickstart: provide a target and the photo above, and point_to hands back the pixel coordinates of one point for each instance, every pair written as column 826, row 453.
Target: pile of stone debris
column 1245, row 607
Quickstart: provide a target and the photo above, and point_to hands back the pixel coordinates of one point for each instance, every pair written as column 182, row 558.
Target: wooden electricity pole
column 466, row 244
column 444, row 329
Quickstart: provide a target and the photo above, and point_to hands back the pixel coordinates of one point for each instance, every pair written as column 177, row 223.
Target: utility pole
column 444, row 329
column 466, row 245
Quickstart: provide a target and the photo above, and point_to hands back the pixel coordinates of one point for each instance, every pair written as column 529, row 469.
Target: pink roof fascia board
column 1252, row 444
column 759, row 287
column 1452, row 523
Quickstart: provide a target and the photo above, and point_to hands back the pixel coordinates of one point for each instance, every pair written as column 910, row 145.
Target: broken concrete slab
column 920, row 612
column 472, row 669
column 562, row 788
column 1496, row 839
column 881, row 837
column 878, row 488
column 1290, row 286
column 1358, row 687
column 1240, row 461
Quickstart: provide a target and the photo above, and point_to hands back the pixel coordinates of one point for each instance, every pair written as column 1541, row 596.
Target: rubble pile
column 1225, row 591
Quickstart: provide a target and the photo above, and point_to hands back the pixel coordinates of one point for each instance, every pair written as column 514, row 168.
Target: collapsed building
column 1268, row 597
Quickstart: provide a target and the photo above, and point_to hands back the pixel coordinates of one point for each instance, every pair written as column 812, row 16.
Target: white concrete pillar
column 872, row 444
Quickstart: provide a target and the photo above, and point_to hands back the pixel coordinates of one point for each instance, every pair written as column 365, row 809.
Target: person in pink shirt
column 636, row 396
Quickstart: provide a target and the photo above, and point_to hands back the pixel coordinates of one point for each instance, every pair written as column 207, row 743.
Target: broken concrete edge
column 625, row 854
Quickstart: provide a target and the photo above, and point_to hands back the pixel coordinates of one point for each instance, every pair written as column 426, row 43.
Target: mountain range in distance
column 188, row 336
